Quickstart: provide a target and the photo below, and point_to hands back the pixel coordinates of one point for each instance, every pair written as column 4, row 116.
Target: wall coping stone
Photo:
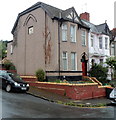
column 68, row 84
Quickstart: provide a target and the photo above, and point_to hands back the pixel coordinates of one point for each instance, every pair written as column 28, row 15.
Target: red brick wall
column 72, row 91
column 85, row 16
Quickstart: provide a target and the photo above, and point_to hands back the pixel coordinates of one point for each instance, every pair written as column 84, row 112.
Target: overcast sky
column 100, row 10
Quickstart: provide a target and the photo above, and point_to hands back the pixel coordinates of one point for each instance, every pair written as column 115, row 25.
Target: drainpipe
column 59, row 24
column 45, row 40
column 25, row 54
column 59, row 47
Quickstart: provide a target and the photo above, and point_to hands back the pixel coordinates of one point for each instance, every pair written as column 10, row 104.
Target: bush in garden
column 40, row 74
column 99, row 72
column 8, row 65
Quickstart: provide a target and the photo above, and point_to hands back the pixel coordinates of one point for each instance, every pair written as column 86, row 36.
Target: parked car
column 112, row 96
column 12, row 81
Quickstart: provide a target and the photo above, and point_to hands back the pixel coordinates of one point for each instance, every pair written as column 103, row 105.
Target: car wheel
column 8, row 88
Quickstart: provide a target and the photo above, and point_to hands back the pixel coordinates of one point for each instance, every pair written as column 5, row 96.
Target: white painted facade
column 99, row 50
column 95, row 52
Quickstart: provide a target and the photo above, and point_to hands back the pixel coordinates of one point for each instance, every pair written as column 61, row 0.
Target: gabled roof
column 103, row 28
column 54, row 13
column 98, row 29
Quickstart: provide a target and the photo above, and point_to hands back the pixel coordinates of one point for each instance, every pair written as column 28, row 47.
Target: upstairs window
column 11, row 49
column 73, row 33
column 112, row 49
column 92, row 40
column 83, row 37
column 100, row 42
column 30, row 30
column 106, row 43
column 64, row 32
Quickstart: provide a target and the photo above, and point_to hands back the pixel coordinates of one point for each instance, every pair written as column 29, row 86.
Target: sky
column 100, row 10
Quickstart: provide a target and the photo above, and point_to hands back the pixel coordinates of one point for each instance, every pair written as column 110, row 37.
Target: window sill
column 84, row 45
column 73, row 42
column 64, row 41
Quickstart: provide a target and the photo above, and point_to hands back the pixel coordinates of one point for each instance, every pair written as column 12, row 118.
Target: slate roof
column 53, row 12
column 98, row 29
column 93, row 28
column 103, row 28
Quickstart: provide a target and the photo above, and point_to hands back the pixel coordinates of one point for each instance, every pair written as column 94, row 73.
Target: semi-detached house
column 98, row 43
column 49, row 38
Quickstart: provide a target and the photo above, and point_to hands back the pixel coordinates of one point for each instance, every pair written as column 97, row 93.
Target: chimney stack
column 85, row 16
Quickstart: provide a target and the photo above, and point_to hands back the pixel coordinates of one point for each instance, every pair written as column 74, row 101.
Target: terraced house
column 49, row 38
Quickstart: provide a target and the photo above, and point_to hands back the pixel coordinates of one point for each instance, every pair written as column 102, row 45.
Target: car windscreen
column 15, row 76
column 2, row 73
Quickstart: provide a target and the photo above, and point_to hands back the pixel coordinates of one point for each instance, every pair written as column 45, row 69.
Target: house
column 49, row 38
column 113, row 43
column 99, row 41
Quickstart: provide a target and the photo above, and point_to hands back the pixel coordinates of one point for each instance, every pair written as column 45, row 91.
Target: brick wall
column 77, row 91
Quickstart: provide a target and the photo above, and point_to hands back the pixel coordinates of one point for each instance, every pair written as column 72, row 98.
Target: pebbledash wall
column 72, row 91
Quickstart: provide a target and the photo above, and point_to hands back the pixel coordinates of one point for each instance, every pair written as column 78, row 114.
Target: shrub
column 8, row 65
column 12, row 67
column 99, row 72
column 40, row 74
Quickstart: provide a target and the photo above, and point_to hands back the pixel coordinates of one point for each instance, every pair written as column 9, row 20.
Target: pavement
column 52, row 97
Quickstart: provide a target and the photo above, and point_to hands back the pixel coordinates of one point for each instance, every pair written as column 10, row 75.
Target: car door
column 3, row 79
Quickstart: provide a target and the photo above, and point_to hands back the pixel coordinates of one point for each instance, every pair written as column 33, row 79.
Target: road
column 22, row 105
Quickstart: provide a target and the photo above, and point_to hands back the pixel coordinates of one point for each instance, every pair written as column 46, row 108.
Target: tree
column 111, row 62
column 99, row 72
column 3, row 49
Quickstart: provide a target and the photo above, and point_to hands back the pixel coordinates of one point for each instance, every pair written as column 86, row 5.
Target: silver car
column 112, row 96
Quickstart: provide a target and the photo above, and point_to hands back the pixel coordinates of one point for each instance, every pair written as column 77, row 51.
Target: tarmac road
column 22, row 105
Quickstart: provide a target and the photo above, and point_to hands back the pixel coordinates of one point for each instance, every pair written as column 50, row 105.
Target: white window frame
column 11, row 49
column 30, row 30
column 92, row 40
column 73, row 33
column 83, row 37
column 75, row 61
column 106, row 43
column 65, row 58
column 100, row 43
column 112, row 48
column 64, row 32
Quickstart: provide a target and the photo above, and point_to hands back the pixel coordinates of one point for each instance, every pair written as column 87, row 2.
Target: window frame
column 92, row 40
column 106, row 43
column 83, row 41
column 30, row 30
column 100, row 43
column 11, row 49
column 65, row 31
column 75, row 61
column 73, row 36
column 65, row 58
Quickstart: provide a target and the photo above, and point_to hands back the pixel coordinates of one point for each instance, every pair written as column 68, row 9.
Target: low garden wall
column 73, row 91
column 29, row 78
